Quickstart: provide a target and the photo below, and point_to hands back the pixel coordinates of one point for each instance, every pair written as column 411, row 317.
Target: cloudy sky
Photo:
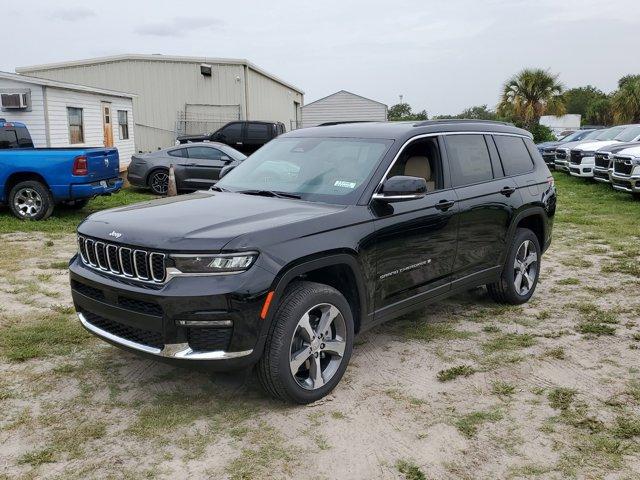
column 441, row 56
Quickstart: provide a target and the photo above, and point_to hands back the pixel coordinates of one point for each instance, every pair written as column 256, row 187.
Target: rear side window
column 469, row 159
column 8, row 138
column 205, row 153
column 24, row 139
column 514, row 155
column 178, row 152
column 257, row 131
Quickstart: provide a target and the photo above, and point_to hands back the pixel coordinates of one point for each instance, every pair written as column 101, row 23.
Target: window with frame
column 123, row 124
column 469, row 159
column 76, row 125
column 421, row 159
column 257, row 131
column 178, row 152
column 206, row 153
column 514, row 155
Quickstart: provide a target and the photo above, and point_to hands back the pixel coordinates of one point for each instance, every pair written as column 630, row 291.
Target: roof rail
column 459, row 120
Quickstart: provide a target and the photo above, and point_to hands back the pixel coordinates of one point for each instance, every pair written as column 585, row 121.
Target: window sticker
column 344, row 184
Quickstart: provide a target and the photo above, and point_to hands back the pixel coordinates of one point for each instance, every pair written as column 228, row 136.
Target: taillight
column 80, row 166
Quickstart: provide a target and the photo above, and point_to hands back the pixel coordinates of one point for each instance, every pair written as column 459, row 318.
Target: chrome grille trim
column 116, row 258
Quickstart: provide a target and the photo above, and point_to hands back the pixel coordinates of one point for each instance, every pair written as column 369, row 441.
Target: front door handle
column 444, row 205
column 507, row 191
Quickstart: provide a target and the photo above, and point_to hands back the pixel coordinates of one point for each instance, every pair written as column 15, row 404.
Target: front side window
column 469, row 159
column 514, row 155
column 76, row 126
column 232, row 133
column 123, row 124
column 204, row 153
column 330, row 170
column 421, row 159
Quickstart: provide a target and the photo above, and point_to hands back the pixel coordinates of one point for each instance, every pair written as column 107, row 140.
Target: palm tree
column 626, row 102
column 529, row 95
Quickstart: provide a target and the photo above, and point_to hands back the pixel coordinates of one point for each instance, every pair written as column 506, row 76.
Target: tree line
column 532, row 93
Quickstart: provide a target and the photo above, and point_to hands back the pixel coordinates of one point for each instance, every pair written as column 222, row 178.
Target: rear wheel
column 31, row 200
column 520, row 273
column 159, row 182
column 309, row 344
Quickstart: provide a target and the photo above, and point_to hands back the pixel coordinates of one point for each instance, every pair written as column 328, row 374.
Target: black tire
column 273, row 369
column 157, row 186
column 34, row 191
column 76, row 204
column 504, row 290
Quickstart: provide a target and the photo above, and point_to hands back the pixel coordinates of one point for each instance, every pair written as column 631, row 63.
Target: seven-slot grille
column 133, row 263
column 623, row 166
column 576, row 157
column 602, row 160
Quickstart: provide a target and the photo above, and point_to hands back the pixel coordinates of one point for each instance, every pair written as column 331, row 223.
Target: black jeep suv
column 323, row 233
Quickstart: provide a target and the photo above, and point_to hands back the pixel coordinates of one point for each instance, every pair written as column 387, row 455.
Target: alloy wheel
column 160, row 183
column 317, row 347
column 27, row 202
column 525, row 267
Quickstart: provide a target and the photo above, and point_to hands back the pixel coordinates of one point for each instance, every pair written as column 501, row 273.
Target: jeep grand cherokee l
column 318, row 236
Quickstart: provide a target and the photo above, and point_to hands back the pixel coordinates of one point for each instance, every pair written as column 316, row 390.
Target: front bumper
column 601, row 175
column 562, row 165
column 625, row 183
column 584, row 169
column 214, row 321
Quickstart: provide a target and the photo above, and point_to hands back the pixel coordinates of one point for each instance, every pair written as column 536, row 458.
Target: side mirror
column 226, row 169
column 401, row 189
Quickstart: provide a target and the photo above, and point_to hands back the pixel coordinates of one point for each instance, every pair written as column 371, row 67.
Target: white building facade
column 60, row 114
column 343, row 106
column 184, row 95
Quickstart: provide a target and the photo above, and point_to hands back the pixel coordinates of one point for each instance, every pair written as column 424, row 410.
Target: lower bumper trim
column 180, row 351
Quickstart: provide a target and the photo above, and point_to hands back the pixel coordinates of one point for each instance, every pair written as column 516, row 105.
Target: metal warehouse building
column 343, row 106
column 177, row 95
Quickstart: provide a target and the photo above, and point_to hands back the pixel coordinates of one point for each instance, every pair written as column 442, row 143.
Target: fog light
column 205, row 323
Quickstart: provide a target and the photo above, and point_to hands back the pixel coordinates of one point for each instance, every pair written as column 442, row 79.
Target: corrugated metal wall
column 343, row 107
column 164, row 88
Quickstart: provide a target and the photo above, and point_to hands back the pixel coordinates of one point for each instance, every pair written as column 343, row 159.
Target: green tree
column 479, row 112
column 626, row 101
column 600, row 112
column 402, row 111
column 579, row 100
column 530, row 94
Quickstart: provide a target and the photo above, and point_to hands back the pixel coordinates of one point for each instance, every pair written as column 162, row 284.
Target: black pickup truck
column 246, row 137
column 323, row 233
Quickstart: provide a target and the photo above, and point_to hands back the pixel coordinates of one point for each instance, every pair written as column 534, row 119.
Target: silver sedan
column 196, row 165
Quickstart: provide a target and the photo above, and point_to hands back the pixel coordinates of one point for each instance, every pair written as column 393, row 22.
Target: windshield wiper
column 270, row 193
column 218, row 189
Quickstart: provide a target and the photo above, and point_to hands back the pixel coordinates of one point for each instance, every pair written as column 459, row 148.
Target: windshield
column 610, row 133
column 580, row 134
column 629, row 134
column 331, row 170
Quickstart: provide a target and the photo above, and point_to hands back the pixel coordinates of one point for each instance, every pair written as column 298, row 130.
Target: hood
column 206, row 221
column 569, row 145
column 629, row 152
column 548, row 144
column 616, row 147
column 593, row 146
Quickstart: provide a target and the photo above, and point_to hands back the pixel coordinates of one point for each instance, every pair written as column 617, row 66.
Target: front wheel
column 30, row 200
column 521, row 270
column 309, row 343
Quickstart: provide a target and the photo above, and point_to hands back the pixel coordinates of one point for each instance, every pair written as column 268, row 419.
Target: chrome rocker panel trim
column 180, row 351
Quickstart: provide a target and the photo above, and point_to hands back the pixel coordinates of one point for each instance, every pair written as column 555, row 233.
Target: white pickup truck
column 625, row 175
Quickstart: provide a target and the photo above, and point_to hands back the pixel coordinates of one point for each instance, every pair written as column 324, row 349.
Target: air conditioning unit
column 15, row 101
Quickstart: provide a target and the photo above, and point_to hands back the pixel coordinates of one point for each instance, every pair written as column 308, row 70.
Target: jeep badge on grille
column 115, row 234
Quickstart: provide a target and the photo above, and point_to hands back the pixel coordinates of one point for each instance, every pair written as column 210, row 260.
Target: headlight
column 223, row 263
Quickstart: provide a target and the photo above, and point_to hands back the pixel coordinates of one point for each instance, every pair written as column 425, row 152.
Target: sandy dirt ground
column 464, row 389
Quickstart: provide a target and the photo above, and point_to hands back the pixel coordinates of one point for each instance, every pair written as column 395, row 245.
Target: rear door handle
column 444, row 205
column 507, row 191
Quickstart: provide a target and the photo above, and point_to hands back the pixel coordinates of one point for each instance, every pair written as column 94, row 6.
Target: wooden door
column 107, row 124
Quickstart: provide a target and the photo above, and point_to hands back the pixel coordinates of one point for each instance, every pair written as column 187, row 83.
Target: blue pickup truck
column 34, row 180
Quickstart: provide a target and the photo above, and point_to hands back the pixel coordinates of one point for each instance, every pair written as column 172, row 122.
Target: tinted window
column 514, row 155
column 24, row 139
column 257, row 131
column 8, row 138
column 204, row 153
column 178, row 152
column 469, row 159
column 232, row 133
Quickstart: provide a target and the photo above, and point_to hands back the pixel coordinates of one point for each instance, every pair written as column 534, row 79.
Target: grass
column 502, row 389
column 592, row 328
column 410, row 470
column 428, row 331
column 558, row 353
column 66, row 220
column 49, row 334
column 401, row 397
column 568, row 281
column 561, row 398
column 509, row 342
column 455, row 372
column 469, row 424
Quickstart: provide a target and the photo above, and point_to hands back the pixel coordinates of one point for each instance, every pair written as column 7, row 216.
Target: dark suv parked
column 323, row 233
column 246, row 137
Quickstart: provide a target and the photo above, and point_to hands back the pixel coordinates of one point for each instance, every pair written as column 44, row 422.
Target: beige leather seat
column 419, row 166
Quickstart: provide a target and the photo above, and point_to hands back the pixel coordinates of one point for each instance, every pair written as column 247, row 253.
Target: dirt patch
column 465, row 389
